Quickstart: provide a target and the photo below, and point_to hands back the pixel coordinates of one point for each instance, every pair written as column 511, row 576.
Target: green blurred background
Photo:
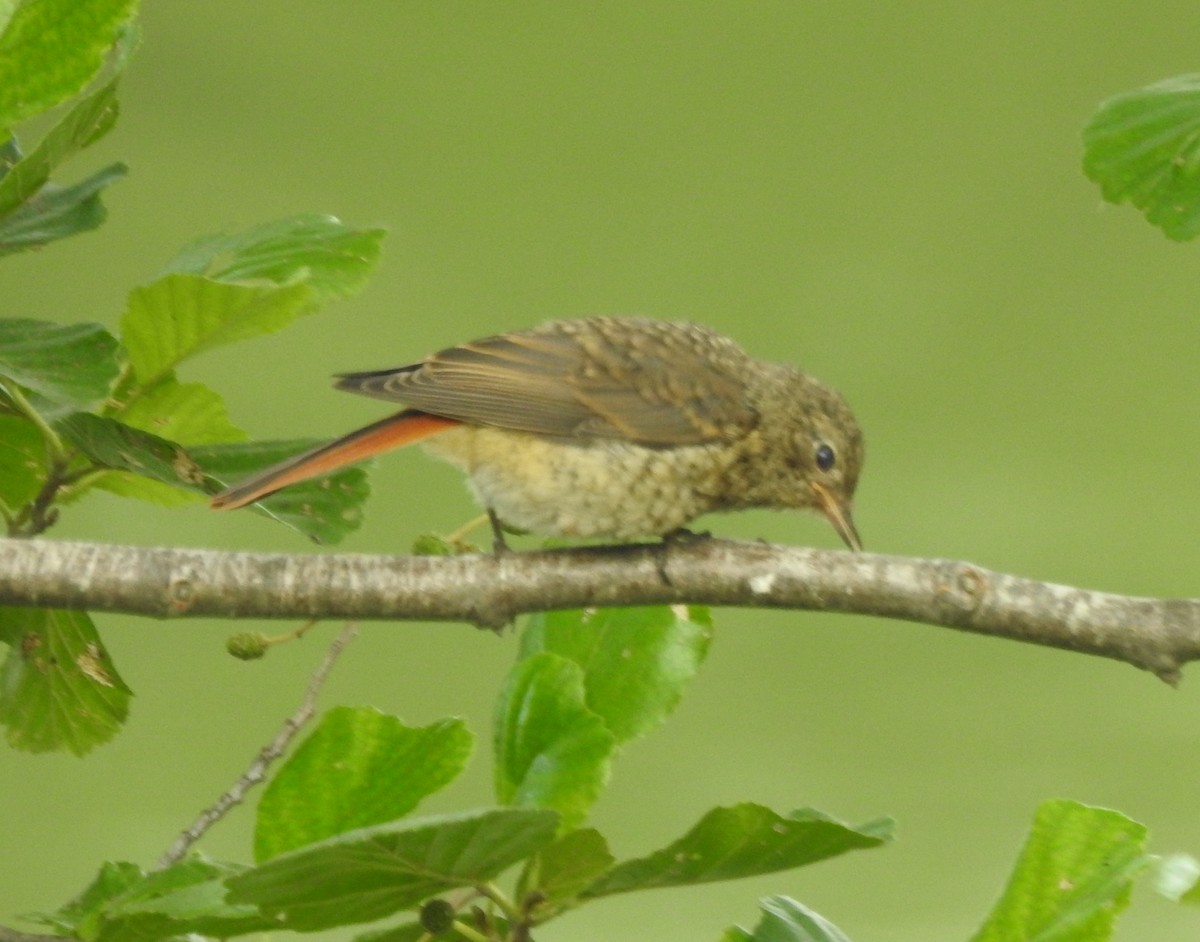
column 888, row 195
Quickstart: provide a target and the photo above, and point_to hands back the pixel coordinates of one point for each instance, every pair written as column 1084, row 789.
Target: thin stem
column 54, row 446
column 294, row 635
column 498, row 896
column 80, row 479
column 469, row 932
column 257, row 772
column 459, row 535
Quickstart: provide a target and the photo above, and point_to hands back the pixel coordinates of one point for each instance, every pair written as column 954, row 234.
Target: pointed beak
column 837, row 512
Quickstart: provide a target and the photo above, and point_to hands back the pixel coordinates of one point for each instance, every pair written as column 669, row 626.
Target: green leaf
column 180, row 414
column 324, row 509
column 185, row 899
column 88, row 121
column 22, row 461
column 742, row 841
column 565, row 868
column 180, row 315
column 58, row 686
column 636, row 661
column 371, row 873
column 1073, row 877
column 359, row 767
column 333, row 259
column 1178, row 878
column 50, row 49
column 112, row 444
column 68, row 364
column 551, row 750
column 125, row 905
column 112, row 880
column 1143, row 147
column 228, row 288
column 786, row 920
column 188, row 413
column 58, row 212
column 135, row 487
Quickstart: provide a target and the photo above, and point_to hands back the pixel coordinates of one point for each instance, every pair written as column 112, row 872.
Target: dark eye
column 825, row 457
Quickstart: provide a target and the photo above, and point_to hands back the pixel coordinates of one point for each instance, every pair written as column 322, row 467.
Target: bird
column 606, row 427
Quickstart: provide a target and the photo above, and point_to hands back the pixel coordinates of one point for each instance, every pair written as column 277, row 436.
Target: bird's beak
column 837, row 511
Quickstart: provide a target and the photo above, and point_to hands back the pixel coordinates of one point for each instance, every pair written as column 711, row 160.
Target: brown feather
column 652, row 382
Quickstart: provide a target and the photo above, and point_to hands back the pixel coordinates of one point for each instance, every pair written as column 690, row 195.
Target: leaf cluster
column 337, row 843
column 85, row 410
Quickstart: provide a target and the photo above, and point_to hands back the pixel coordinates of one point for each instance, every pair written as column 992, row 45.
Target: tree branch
column 1158, row 635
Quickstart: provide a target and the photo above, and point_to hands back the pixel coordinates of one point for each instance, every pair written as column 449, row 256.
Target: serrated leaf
column 369, row 874
column 551, row 750
column 324, row 509
column 334, row 259
column 187, row 898
column 358, row 768
column 636, row 662
column 123, row 904
column 562, row 870
column 181, row 315
column 786, row 920
column 58, row 212
column 187, row 413
column 89, row 120
column 741, row 841
column 113, row 879
column 1143, row 147
column 68, row 364
column 1072, row 879
column 50, row 49
column 112, row 444
column 58, row 686
column 22, row 461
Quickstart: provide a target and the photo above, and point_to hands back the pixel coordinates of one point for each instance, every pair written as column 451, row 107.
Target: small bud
column 430, row 544
column 436, row 916
column 247, row 645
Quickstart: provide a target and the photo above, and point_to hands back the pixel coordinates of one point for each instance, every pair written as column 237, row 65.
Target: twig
column 269, row 753
column 1158, row 635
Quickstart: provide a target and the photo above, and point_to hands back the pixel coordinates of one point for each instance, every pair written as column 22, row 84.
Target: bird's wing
column 655, row 383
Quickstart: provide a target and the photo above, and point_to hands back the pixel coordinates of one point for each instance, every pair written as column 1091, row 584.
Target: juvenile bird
column 614, row 427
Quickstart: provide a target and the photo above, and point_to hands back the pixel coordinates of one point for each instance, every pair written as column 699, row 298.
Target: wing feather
column 653, row 382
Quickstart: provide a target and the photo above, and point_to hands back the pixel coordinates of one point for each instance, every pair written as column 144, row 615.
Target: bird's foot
column 499, row 544
column 682, row 536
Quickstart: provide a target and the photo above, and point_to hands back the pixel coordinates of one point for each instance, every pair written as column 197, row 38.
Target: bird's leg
column 680, row 536
column 499, row 544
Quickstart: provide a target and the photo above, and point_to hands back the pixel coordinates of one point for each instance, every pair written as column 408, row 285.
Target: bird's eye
column 825, row 457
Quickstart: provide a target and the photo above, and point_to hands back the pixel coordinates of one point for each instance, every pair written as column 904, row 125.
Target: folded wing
column 655, row 383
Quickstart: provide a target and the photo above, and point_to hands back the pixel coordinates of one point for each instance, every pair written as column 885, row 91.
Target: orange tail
column 404, row 428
